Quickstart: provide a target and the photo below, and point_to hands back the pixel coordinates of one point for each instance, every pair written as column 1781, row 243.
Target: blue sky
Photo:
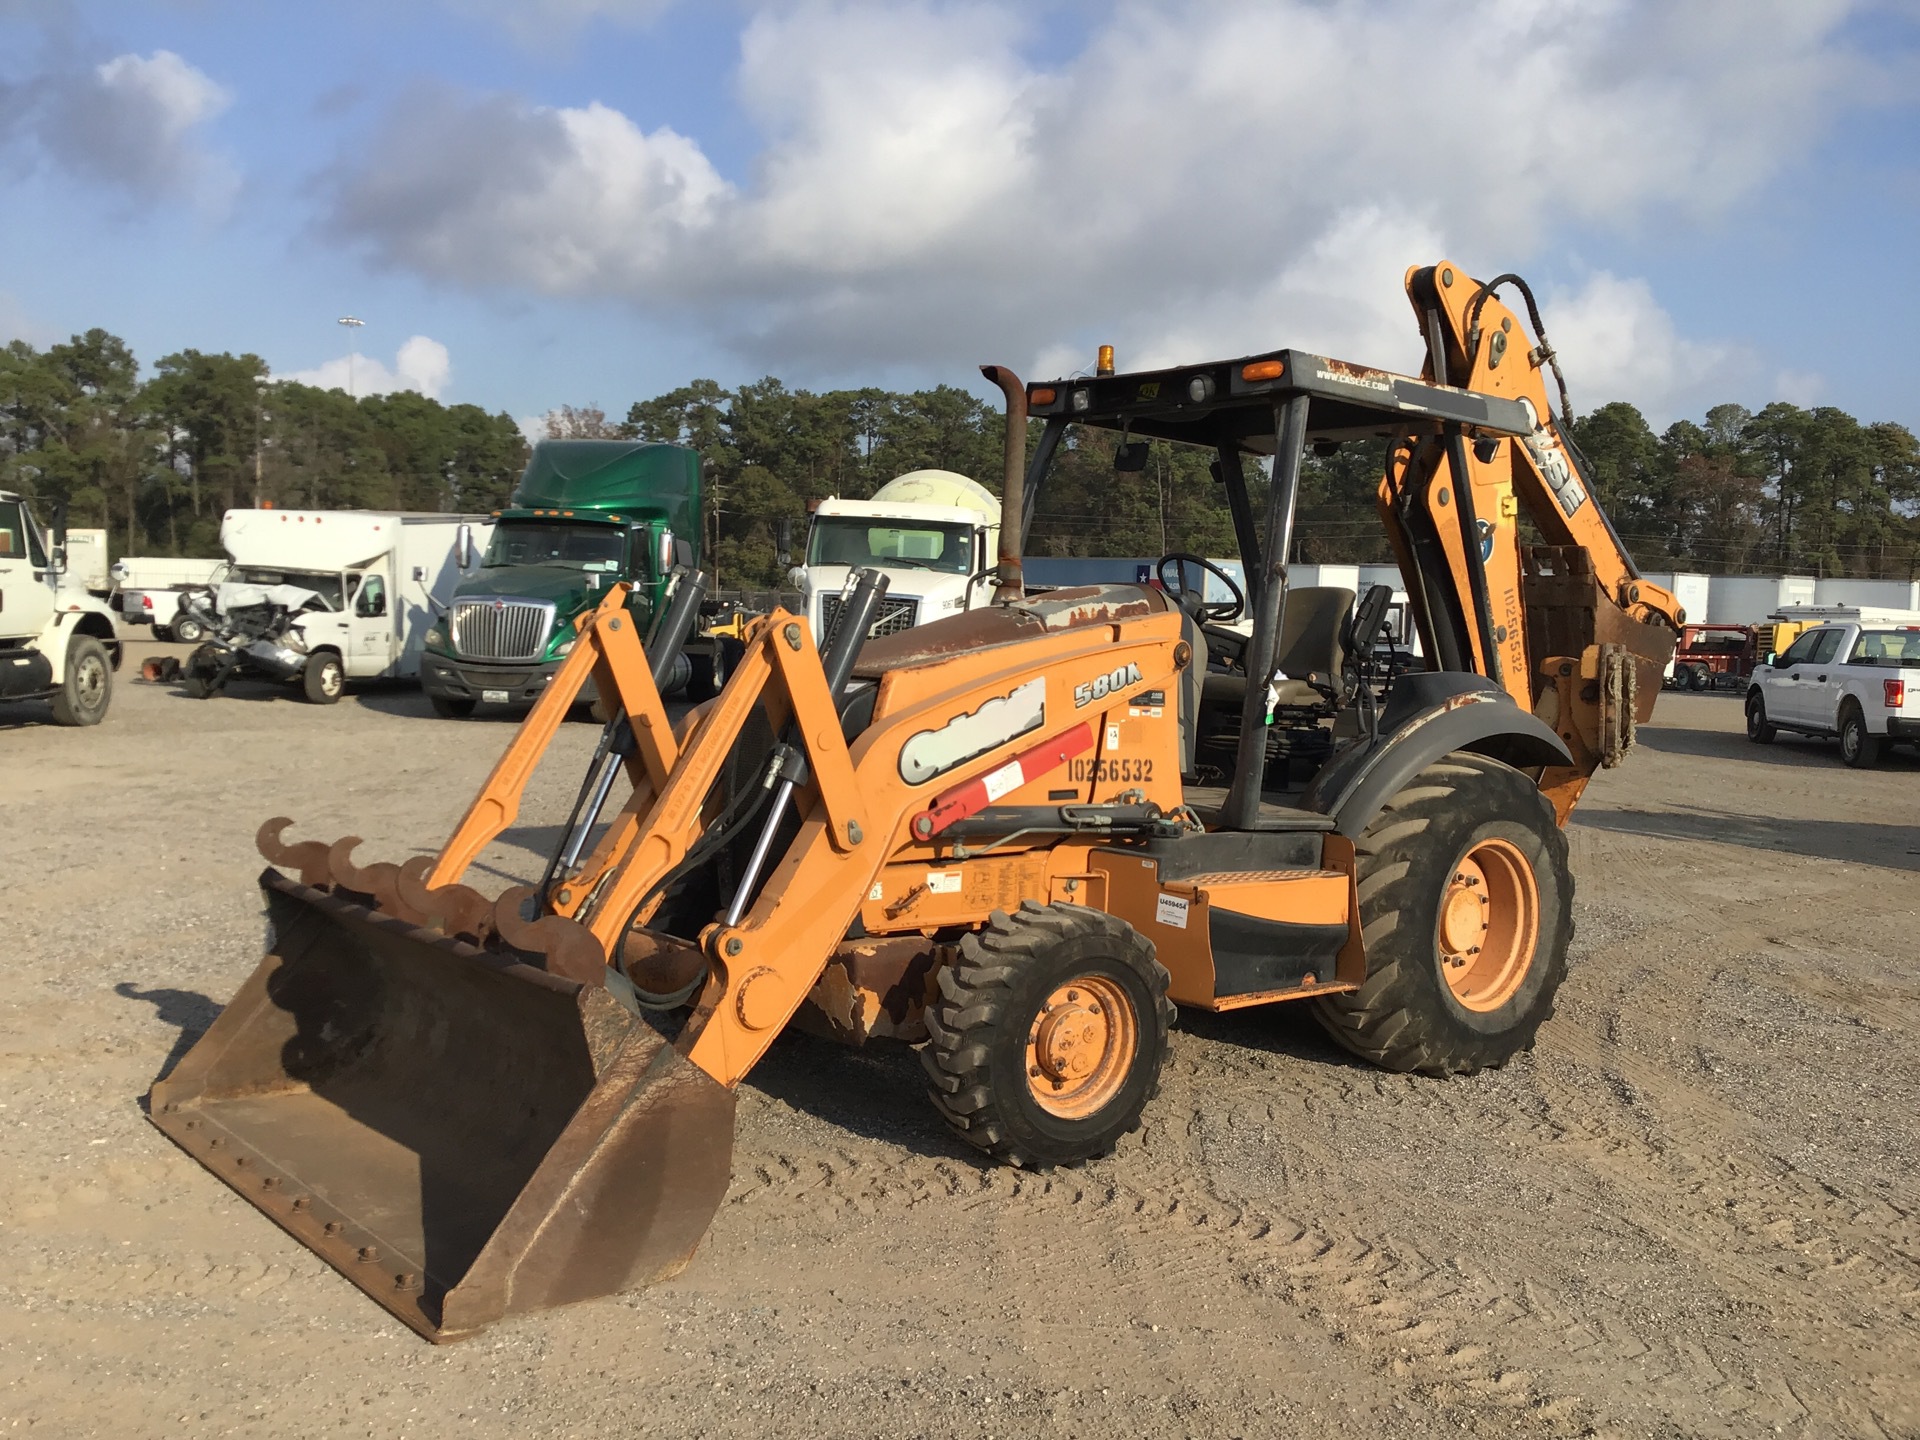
column 537, row 202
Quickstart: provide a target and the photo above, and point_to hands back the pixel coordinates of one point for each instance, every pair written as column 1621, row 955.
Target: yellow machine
column 1018, row 837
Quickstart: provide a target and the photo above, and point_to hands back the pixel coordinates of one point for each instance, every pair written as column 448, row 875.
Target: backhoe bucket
column 462, row 1135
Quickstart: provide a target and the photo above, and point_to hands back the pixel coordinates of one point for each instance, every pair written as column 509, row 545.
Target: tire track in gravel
column 1835, row 1265
column 1419, row 1318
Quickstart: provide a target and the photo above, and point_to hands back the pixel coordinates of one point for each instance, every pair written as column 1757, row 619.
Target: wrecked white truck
column 315, row 598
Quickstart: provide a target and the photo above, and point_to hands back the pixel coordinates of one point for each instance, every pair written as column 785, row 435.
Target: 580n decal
column 1105, row 685
column 1130, row 771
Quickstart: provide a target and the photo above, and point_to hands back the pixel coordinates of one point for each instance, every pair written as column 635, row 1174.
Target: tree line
column 156, row 461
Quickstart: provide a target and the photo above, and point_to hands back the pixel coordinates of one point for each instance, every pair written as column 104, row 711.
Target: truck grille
column 894, row 616
column 501, row 629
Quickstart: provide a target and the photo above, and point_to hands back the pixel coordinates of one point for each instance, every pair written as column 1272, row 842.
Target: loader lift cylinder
column 669, row 636
column 1269, row 605
column 869, row 588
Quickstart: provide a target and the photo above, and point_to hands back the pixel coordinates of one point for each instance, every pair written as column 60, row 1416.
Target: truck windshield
column 541, row 542
column 1886, row 647
column 857, row 540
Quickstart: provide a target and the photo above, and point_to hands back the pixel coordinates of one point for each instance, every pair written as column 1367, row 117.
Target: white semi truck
column 934, row 534
column 57, row 641
column 360, row 589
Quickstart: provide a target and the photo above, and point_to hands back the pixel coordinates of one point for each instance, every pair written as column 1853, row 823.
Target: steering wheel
column 1220, row 612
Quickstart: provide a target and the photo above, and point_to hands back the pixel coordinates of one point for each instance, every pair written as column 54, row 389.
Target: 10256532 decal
column 1120, row 768
column 1102, row 686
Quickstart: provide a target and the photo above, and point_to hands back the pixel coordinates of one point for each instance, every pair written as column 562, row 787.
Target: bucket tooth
column 565, row 947
column 309, row 857
column 452, row 909
column 378, row 881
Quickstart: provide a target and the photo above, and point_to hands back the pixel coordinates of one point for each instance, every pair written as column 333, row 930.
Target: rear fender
column 1430, row 715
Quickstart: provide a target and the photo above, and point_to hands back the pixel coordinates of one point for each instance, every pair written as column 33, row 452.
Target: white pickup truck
column 1860, row 682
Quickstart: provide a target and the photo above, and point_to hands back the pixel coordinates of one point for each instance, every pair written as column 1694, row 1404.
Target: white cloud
column 15, row 323
column 422, row 364
column 1616, row 343
column 135, row 122
column 1197, row 179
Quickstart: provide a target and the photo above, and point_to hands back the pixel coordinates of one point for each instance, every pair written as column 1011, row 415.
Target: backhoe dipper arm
column 1520, row 614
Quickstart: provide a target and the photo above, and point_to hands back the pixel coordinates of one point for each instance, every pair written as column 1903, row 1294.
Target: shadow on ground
column 1855, row 842
column 1800, row 751
column 878, row 1091
column 188, row 1011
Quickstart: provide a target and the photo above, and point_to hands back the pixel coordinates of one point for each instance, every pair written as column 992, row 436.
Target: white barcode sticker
column 1004, row 781
column 1171, row 910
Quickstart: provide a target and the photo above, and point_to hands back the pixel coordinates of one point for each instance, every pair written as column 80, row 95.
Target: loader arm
column 1568, row 627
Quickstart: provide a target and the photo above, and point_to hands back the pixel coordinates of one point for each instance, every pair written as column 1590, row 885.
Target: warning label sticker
column 943, row 882
column 1004, row 781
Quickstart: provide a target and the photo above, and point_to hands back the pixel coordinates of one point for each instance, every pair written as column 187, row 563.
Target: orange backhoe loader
column 1018, row 837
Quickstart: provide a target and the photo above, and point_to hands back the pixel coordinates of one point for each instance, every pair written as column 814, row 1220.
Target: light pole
column 352, row 323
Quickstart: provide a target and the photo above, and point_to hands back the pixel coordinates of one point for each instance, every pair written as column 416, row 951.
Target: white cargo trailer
column 1749, row 600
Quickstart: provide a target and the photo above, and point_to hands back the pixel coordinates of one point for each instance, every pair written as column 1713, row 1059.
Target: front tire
column 188, row 632
column 1466, row 904
column 324, row 680
column 1859, row 747
column 1759, row 730
column 1049, row 1034
column 88, row 689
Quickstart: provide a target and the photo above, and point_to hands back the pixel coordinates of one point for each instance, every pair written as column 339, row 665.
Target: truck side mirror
column 1131, row 457
column 683, row 552
column 463, row 547
column 783, row 542
column 57, row 557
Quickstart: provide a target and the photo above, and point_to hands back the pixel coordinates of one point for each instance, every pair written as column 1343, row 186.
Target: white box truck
column 318, row 597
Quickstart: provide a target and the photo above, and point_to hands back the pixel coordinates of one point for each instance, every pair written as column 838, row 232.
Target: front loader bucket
column 462, row 1135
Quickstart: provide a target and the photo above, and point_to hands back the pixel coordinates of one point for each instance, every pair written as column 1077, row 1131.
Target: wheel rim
column 1756, row 717
column 1850, row 740
column 330, row 680
column 1489, row 925
column 1081, row 1046
column 90, row 682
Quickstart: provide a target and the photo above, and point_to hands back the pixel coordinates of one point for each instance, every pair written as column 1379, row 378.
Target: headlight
column 563, row 648
column 1081, row 400
column 1200, row 389
column 435, row 638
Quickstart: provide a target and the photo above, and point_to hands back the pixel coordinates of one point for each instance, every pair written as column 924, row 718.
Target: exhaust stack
column 1012, row 586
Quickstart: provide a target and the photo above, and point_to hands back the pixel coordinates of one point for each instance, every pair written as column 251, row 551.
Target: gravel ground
column 1690, row 1211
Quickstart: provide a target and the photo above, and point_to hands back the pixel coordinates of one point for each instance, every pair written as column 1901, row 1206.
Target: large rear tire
column 1049, row 1035
column 1466, row 903
column 88, row 689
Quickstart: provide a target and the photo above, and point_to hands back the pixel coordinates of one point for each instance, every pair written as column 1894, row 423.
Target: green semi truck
column 587, row 514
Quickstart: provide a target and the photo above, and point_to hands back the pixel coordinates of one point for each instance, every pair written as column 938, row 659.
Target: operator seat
column 1312, row 655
